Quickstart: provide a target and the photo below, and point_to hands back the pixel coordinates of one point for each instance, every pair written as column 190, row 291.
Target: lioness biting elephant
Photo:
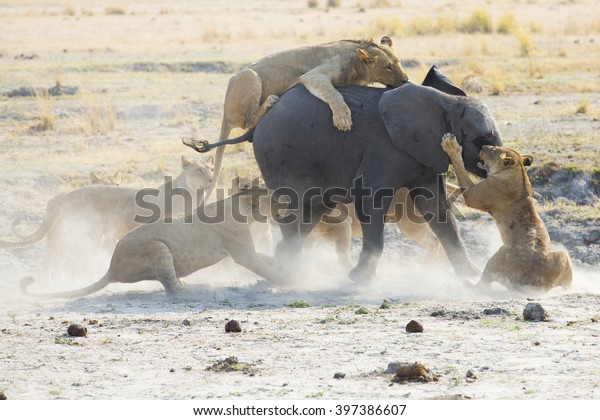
column 525, row 258
column 320, row 68
column 166, row 251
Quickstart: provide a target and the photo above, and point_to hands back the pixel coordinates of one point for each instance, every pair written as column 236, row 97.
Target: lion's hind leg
column 243, row 107
column 560, row 271
column 498, row 269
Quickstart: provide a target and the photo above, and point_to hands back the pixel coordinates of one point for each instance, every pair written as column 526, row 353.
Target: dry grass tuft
column 312, row 4
column 479, row 21
column 115, row 10
column 334, row 3
column 99, row 114
column 495, row 78
column 69, row 10
column 45, row 108
column 508, row 23
column 391, row 26
column 583, row 107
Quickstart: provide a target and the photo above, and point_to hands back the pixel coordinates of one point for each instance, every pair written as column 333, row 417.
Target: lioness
column 320, row 68
column 88, row 219
column 525, row 258
column 166, row 251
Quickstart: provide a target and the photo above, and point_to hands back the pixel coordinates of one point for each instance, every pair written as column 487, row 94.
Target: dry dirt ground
column 148, row 74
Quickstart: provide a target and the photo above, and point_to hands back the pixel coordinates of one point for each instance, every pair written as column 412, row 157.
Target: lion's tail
column 92, row 288
column 50, row 219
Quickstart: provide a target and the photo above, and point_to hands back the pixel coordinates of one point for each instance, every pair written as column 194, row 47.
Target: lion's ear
column 386, row 40
column 364, row 56
column 117, row 178
column 185, row 163
column 211, row 160
column 527, row 160
column 94, row 178
column 507, row 161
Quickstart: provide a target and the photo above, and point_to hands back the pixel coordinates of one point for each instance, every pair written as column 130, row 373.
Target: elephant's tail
column 204, row 146
column 92, row 288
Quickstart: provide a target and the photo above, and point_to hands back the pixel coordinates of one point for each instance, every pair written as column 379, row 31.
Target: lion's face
column 496, row 159
column 383, row 66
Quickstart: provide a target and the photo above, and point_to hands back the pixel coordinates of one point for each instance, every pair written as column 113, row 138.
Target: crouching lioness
column 168, row 250
column 525, row 258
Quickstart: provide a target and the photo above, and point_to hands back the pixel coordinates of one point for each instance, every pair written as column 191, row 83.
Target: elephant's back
column 296, row 142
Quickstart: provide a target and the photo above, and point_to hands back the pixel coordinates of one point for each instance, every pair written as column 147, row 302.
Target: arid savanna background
column 114, row 86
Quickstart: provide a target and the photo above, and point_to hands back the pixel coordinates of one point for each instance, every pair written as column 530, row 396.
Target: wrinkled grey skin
column 394, row 142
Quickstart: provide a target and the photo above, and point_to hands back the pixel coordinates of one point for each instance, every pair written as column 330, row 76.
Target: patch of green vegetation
column 362, row 311
column 68, row 341
column 298, row 304
column 385, row 304
column 261, row 306
column 232, row 364
column 319, row 394
column 227, row 303
column 55, row 392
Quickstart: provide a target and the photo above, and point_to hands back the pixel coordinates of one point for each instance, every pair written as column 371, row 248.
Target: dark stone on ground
column 233, row 327
column 533, row 311
column 414, row 327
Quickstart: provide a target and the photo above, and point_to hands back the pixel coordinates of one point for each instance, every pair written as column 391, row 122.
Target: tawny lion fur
column 525, row 259
column 321, row 68
column 102, row 213
column 166, row 251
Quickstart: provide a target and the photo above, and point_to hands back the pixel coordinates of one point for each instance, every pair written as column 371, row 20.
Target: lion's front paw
column 450, row 145
column 271, row 100
column 342, row 119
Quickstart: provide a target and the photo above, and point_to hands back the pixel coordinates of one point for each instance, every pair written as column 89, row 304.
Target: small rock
column 77, row 330
column 186, row 322
column 339, row 375
column 471, row 375
column 535, row 312
column 93, row 322
column 414, row 327
column 2, row 395
column 171, row 370
column 233, row 327
column 413, row 372
column 536, row 343
column 495, row 311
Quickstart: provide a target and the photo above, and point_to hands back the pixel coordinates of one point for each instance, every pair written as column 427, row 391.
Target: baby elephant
column 168, row 250
column 525, row 258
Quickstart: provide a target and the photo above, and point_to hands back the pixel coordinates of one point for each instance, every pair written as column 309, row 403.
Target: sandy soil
column 143, row 344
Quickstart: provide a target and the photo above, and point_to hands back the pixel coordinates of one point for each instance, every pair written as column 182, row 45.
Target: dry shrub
column 391, row 26
column 334, row 3
column 508, row 23
column 495, row 78
column 312, row 4
column 69, row 10
column 374, row 4
column 213, row 33
column 479, row 21
column 583, row 107
column 99, row 114
column 45, row 109
column 115, row 10
column 178, row 113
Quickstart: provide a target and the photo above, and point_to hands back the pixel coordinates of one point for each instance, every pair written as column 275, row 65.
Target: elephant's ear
column 416, row 118
column 438, row 80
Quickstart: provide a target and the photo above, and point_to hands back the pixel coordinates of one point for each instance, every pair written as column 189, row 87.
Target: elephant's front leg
column 430, row 200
